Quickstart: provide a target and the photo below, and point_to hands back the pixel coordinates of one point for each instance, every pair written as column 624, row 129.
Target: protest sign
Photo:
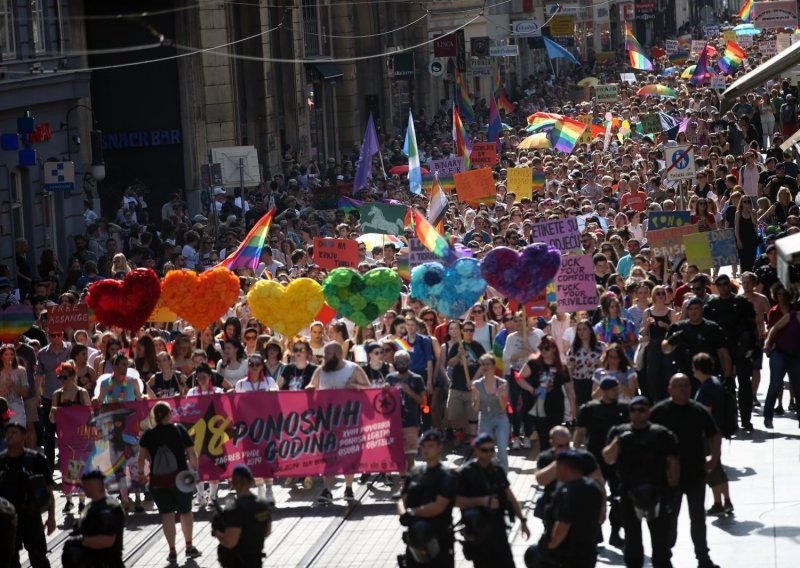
column 768, row 47
column 729, row 35
column 562, row 234
column 335, row 253
column 67, row 316
column 783, row 41
column 774, row 15
column 483, row 154
column 629, row 78
column 650, row 123
column 382, row 218
column 519, row 181
column 276, row 434
column 664, row 219
column 607, row 93
column 697, row 46
column 669, row 241
column 718, row 82
column 475, row 186
column 745, row 40
column 712, row 249
column 586, row 136
column 447, row 166
column 576, row 285
column 418, row 254
column 539, row 304
column 671, row 46
column 711, row 31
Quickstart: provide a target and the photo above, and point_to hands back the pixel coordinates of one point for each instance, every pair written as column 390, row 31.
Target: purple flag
column 369, row 147
column 700, row 70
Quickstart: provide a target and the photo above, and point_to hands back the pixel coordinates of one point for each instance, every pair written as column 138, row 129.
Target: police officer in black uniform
column 484, row 491
column 647, row 460
column 96, row 540
column 242, row 527
column 26, row 481
column 426, row 508
column 595, row 419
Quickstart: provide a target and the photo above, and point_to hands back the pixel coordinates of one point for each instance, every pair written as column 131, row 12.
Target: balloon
column 15, row 320
column 127, row 303
column 287, row 309
column 361, row 299
column 203, row 299
column 450, row 291
column 524, row 275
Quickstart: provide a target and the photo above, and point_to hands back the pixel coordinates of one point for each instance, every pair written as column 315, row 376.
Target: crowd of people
column 626, row 403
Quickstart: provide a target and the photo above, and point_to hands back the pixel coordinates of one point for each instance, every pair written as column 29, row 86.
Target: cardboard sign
column 382, row 218
column 483, row 154
column 562, row 234
column 768, row 47
column 697, row 46
column 335, row 253
column 67, row 316
column 476, row 185
column 607, row 93
column 519, row 181
column 782, row 41
column 730, row 35
column 718, row 82
column 418, row 254
column 745, row 40
column 775, row 15
column 671, row 46
column 447, row 166
column 586, row 136
column 576, row 285
column 650, row 123
column 680, row 163
column 669, row 242
column 712, row 249
column 665, row 219
column 539, row 304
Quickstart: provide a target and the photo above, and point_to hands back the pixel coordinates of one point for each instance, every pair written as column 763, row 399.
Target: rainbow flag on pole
column 746, row 13
column 431, row 239
column 565, row 134
column 464, row 106
column 635, row 51
column 248, row 255
column 500, row 94
column 732, row 58
column 461, row 139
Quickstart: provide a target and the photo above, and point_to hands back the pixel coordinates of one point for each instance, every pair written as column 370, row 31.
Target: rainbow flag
column 565, row 134
column 500, row 94
column 538, row 180
column 464, row 106
column 746, row 13
column 461, row 139
column 635, row 51
column 732, row 59
column 348, row 204
column 401, row 343
column 248, row 255
column 678, row 58
column 403, row 266
column 495, row 126
column 431, row 239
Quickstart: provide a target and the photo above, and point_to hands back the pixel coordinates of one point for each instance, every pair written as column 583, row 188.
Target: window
column 37, row 26
column 7, row 47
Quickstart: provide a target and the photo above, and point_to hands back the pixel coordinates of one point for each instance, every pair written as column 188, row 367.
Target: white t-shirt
column 266, row 384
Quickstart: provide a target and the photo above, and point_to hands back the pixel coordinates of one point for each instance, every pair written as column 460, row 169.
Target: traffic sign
column 680, row 163
column 436, row 67
column 59, row 176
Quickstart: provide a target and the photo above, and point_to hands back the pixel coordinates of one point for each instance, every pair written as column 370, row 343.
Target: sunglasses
column 638, row 409
column 250, row 337
column 254, row 364
column 59, row 334
column 469, row 330
column 486, row 450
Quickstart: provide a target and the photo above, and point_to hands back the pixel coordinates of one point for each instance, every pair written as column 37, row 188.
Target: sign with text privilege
column 335, row 253
column 418, row 254
column 475, row 186
column 519, row 181
column 775, row 15
column 562, row 234
column 447, row 166
column 276, row 434
column 576, row 285
column 607, row 93
column 382, row 218
column 665, row 219
column 712, row 249
column 669, row 242
column 483, row 154
column 680, row 163
column 67, row 316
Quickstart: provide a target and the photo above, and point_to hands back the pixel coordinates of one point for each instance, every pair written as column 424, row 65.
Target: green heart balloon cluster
column 361, row 299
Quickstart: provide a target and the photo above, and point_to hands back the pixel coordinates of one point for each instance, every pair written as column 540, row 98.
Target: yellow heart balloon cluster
column 286, row 309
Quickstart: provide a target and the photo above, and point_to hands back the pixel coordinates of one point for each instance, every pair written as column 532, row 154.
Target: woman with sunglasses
column 702, row 217
column 204, row 386
column 490, row 401
column 547, row 380
column 168, row 381
column 13, row 383
column 376, row 368
column 744, row 226
column 70, row 394
column 484, row 328
column 583, row 359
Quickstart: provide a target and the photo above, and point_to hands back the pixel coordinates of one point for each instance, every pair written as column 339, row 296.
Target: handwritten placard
column 665, row 219
column 712, row 249
column 483, row 154
column 562, row 234
column 335, row 253
column 576, row 285
column 669, row 241
column 519, row 181
column 67, row 316
column 475, row 186
column 447, row 166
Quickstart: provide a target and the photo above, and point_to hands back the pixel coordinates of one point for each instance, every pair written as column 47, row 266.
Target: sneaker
column 325, row 498
column 728, row 508
column 363, row 479
column 138, row 507
column 201, row 501
column 67, row 507
column 308, row 482
column 779, row 411
column 747, row 426
column 768, row 423
column 717, row 510
column 515, row 444
column 616, row 541
column 348, row 494
column 755, row 402
column 270, row 497
column 172, row 557
column 526, row 443
column 192, row 552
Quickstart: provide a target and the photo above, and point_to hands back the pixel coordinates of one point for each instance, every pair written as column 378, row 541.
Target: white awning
column 770, row 69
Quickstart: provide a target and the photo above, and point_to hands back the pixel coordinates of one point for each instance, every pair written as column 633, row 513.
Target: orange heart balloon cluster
column 203, row 299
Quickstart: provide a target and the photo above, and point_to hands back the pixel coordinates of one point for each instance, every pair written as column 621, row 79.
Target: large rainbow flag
column 565, row 134
column 500, row 94
column 248, row 255
column 462, row 94
column 731, row 59
column 635, row 51
column 461, row 139
column 746, row 13
column 431, row 239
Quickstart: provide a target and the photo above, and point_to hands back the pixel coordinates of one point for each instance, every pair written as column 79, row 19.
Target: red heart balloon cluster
column 127, row 303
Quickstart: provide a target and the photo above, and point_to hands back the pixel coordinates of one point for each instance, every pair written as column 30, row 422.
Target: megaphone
column 186, row 481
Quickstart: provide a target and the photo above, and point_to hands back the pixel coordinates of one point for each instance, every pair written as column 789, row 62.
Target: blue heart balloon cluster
column 451, row 290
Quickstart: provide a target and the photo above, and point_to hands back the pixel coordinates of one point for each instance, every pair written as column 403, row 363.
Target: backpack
column 730, row 413
column 163, row 468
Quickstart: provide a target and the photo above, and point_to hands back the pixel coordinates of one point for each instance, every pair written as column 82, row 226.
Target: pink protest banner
column 277, row 434
column 576, row 284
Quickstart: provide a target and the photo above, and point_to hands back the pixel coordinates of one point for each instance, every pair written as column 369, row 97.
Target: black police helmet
column 422, row 541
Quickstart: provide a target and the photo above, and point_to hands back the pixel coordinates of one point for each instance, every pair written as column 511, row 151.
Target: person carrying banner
column 204, row 387
column 168, row 447
column 242, row 527
column 337, row 373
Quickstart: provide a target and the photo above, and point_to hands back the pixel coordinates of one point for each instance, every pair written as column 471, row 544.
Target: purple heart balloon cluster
column 521, row 275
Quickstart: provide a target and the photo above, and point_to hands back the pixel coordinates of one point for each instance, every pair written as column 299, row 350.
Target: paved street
column 764, row 533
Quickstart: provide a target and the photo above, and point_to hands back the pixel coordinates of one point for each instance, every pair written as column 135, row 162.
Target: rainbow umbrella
column 746, row 29
column 373, row 240
column 657, row 91
column 538, row 140
column 689, row 71
column 668, row 71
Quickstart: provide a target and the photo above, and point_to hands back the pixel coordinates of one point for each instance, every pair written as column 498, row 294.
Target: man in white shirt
column 268, row 264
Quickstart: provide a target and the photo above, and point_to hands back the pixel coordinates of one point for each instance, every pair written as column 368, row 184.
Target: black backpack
column 730, row 413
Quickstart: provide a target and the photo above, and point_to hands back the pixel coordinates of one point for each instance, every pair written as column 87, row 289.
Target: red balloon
column 127, row 303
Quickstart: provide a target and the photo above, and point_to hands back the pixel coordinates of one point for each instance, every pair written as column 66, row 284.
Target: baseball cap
column 608, row 383
column 241, row 470
column 641, row 401
column 432, row 436
column 482, row 439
